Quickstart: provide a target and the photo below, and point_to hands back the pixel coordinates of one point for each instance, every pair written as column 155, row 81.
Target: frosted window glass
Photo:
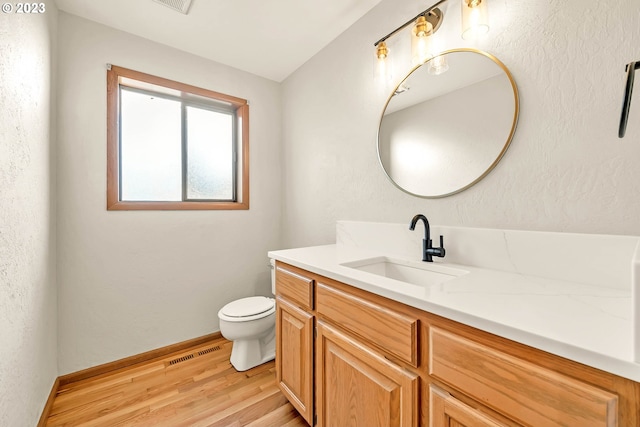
column 209, row 155
column 151, row 153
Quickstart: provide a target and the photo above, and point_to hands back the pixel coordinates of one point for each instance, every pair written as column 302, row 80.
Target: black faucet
column 427, row 249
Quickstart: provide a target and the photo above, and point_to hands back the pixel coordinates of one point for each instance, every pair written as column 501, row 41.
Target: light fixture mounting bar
column 410, row 21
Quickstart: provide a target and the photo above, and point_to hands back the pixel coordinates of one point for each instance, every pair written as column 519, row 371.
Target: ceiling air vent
column 181, row 6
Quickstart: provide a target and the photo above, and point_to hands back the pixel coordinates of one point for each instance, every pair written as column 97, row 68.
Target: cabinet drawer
column 388, row 330
column 445, row 411
column 293, row 284
column 520, row 390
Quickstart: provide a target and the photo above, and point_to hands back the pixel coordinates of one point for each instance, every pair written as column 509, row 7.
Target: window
column 172, row 146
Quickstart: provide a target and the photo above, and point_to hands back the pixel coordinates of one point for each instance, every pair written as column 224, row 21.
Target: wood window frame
column 115, row 76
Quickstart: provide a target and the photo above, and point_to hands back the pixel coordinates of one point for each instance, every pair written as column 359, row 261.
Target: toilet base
column 247, row 354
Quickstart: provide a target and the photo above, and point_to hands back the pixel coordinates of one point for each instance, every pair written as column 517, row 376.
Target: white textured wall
column 134, row 281
column 28, row 324
column 566, row 169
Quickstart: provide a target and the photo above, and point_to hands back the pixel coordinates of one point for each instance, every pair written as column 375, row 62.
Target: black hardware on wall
column 628, row 90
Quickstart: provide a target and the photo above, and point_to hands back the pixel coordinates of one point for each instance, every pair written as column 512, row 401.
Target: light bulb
column 420, row 40
column 475, row 20
column 382, row 67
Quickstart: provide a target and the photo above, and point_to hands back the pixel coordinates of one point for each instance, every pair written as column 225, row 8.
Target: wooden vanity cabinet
column 377, row 362
column 392, row 330
column 294, row 338
column 365, row 358
column 355, row 386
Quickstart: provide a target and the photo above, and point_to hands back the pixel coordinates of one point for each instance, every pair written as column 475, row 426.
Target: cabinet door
column 294, row 356
column 447, row 411
column 357, row 387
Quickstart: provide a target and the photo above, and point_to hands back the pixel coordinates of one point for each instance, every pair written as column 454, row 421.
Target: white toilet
column 251, row 324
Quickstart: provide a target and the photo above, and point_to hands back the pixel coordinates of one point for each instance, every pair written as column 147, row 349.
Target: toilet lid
column 248, row 306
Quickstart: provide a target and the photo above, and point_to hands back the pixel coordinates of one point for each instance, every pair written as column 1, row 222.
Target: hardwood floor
column 195, row 387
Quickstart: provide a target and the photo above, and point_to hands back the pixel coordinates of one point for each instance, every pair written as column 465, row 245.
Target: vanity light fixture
column 382, row 70
column 422, row 34
column 474, row 18
column 425, row 25
column 420, row 40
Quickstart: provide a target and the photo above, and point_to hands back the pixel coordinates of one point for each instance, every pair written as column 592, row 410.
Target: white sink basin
column 413, row 272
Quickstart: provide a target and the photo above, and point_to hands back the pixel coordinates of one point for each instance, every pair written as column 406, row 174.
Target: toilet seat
column 246, row 309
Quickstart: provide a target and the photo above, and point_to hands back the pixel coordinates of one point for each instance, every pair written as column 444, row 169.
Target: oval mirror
column 444, row 129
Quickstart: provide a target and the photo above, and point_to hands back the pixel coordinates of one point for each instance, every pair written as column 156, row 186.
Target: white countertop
column 589, row 324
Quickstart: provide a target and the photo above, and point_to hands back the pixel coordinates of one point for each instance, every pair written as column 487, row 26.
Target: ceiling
column 269, row 38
